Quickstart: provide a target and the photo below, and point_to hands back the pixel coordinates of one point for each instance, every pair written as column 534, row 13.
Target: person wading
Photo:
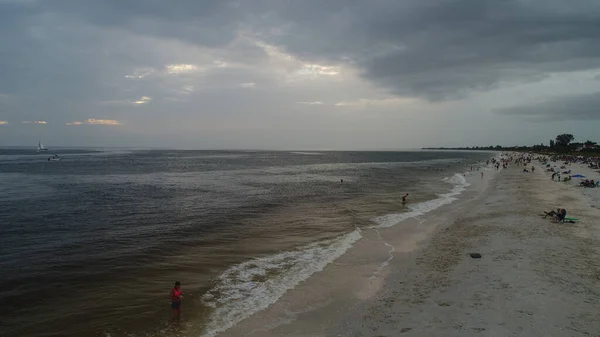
column 176, row 297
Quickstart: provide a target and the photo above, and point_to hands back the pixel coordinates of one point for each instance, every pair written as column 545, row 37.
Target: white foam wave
column 460, row 184
column 252, row 286
column 348, row 166
column 456, row 179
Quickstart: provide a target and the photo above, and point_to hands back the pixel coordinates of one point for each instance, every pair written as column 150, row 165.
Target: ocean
column 91, row 245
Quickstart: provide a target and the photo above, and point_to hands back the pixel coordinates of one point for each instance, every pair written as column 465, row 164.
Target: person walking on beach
column 176, row 297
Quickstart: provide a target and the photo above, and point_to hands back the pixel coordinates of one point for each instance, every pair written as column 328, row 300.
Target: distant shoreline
column 518, row 149
column 490, row 148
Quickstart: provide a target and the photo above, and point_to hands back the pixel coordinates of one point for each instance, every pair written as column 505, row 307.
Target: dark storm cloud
column 434, row 49
column 206, row 22
column 445, row 49
column 574, row 107
column 62, row 54
column 50, row 63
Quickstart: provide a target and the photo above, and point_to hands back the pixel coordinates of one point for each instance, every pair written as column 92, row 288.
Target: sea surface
column 91, row 245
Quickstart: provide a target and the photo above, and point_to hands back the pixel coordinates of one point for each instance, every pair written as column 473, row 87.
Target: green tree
column 551, row 143
column 564, row 140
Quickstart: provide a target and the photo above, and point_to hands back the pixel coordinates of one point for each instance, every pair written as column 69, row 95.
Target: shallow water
column 91, row 245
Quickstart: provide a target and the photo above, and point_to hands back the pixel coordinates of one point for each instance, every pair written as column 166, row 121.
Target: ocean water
column 91, row 245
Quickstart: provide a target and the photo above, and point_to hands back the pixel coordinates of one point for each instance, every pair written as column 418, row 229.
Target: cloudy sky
column 298, row 74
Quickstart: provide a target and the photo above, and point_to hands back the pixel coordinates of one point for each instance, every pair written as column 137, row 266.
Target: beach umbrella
column 577, row 176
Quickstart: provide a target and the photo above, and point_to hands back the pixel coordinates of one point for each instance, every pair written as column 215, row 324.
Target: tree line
column 562, row 143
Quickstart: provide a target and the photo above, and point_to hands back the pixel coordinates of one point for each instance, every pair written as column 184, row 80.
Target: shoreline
column 535, row 278
column 361, row 272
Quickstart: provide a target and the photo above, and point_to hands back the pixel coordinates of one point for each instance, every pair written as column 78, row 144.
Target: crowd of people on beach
column 591, row 162
column 502, row 161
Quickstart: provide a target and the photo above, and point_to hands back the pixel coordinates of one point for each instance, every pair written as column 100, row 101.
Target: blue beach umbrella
column 577, row 176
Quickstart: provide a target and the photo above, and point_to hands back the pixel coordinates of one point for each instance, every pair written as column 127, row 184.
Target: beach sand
column 593, row 194
column 535, row 277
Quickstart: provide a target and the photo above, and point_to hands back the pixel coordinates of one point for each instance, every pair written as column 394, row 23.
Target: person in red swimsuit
column 176, row 297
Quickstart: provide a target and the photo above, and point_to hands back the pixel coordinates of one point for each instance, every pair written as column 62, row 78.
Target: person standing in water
column 176, row 297
column 404, row 198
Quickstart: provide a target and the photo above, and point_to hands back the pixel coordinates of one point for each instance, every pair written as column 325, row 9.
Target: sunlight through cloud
column 140, row 73
column 103, row 122
column 316, row 69
column 311, row 103
column 143, row 100
column 93, row 121
column 380, row 102
column 176, row 69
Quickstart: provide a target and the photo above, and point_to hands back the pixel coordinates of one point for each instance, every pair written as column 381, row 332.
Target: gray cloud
column 440, row 49
column 75, row 60
column 562, row 108
column 445, row 48
column 203, row 21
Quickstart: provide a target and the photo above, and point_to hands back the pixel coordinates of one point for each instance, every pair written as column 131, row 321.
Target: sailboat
column 41, row 147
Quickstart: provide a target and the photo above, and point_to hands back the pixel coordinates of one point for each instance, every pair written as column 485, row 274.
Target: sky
column 298, row 74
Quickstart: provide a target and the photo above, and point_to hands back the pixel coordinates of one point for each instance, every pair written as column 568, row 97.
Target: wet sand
column 535, row 278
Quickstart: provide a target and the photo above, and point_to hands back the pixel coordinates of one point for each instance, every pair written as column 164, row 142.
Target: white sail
column 41, row 147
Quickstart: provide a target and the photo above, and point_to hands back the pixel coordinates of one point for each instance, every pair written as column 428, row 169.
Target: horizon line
column 222, row 149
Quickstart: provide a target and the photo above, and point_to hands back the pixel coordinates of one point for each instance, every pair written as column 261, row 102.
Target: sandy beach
column 593, row 194
column 535, row 277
